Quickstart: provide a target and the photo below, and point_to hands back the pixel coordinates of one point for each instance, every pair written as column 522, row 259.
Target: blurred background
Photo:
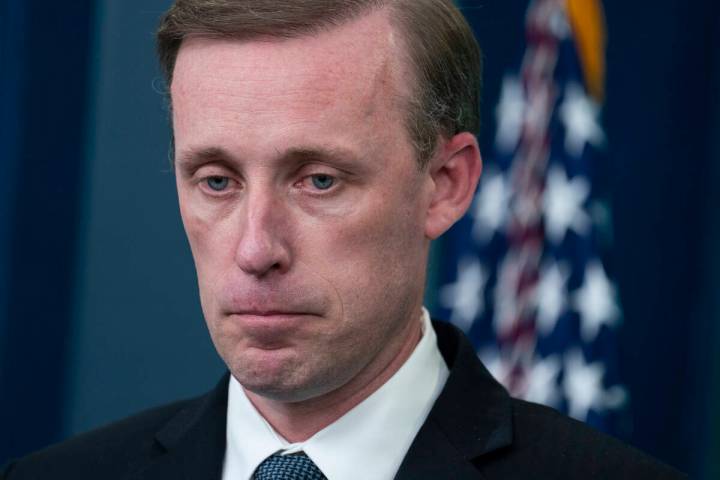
column 99, row 315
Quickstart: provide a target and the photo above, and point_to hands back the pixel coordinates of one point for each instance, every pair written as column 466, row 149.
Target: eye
column 322, row 181
column 217, row 183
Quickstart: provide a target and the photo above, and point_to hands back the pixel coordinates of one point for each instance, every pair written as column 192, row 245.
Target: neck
column 298, row 421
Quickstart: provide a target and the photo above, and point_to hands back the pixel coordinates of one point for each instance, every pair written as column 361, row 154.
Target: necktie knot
column 297, row 466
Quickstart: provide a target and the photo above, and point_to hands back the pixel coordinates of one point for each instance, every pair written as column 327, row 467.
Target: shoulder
column 510, row 438
column 110, row 450
column 552, row 445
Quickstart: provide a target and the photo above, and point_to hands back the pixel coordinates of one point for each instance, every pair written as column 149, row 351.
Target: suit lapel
column 192, row 443
column 432, row 455
column 471, row 418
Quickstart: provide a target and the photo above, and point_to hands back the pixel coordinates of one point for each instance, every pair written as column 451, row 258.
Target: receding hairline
column 397, row 45
column 278, row 30
column 396, row 64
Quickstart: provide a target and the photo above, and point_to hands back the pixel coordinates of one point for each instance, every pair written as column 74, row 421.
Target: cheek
column 211, row 249
column 376, row 251
column 205, row 227
column 199, row 236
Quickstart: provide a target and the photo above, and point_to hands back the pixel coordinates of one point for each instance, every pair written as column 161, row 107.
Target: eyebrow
column 319, row 153
column 194, row 158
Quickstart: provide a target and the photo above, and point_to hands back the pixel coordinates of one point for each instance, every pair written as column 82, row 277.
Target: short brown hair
column 443, row 53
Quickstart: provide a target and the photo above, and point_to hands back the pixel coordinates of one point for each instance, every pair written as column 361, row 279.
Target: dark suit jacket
column 474, row 431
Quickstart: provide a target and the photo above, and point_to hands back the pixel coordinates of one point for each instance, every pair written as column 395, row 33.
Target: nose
column 263, row 241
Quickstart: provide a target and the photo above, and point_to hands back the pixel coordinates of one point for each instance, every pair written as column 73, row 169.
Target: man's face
column 303, row 204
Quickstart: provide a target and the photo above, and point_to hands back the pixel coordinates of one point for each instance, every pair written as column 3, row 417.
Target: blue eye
column 218, row 183
column 322, row 182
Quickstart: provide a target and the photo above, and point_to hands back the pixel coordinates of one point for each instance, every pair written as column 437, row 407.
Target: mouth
column 271, row 325
column 269, row 313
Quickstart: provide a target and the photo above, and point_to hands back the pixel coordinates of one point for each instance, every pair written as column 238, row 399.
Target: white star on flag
column 551, row 296
column 595, row 301
column 563, row 205
column 509, row 114
column 583, row 385
column 580, row 116
column 465, row 297
column 491, row 206
column 542, row 381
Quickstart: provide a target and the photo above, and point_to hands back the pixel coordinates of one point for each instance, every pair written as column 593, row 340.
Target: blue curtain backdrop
column 98, row 308
column 43, row 87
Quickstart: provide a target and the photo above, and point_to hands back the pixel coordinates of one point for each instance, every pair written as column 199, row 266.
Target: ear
column 455, row 170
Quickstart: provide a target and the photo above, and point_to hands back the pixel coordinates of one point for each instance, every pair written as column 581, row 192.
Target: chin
column 269, row 373
column 281, row 377
column 281, row 391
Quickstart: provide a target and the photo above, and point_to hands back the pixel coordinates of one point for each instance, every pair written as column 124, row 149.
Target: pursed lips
column 269, row 325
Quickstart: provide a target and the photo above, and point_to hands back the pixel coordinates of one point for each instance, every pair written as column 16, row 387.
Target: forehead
column 353, row 66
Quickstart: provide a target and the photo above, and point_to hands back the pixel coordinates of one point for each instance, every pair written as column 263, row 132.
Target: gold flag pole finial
column 587, row 20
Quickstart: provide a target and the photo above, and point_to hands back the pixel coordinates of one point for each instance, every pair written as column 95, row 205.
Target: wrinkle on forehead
column 317, row 62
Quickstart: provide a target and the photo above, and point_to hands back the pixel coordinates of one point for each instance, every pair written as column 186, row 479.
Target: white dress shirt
column 369, row 441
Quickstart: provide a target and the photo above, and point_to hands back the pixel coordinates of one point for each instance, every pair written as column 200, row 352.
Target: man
column 319, row 147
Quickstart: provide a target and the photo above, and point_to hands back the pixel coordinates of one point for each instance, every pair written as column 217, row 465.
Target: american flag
column 522, row 273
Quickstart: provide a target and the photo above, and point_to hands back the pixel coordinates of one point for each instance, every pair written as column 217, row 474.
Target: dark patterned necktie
column 297, row 466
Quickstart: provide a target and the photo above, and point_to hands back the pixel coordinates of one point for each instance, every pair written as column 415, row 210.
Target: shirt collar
column 375, row 435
